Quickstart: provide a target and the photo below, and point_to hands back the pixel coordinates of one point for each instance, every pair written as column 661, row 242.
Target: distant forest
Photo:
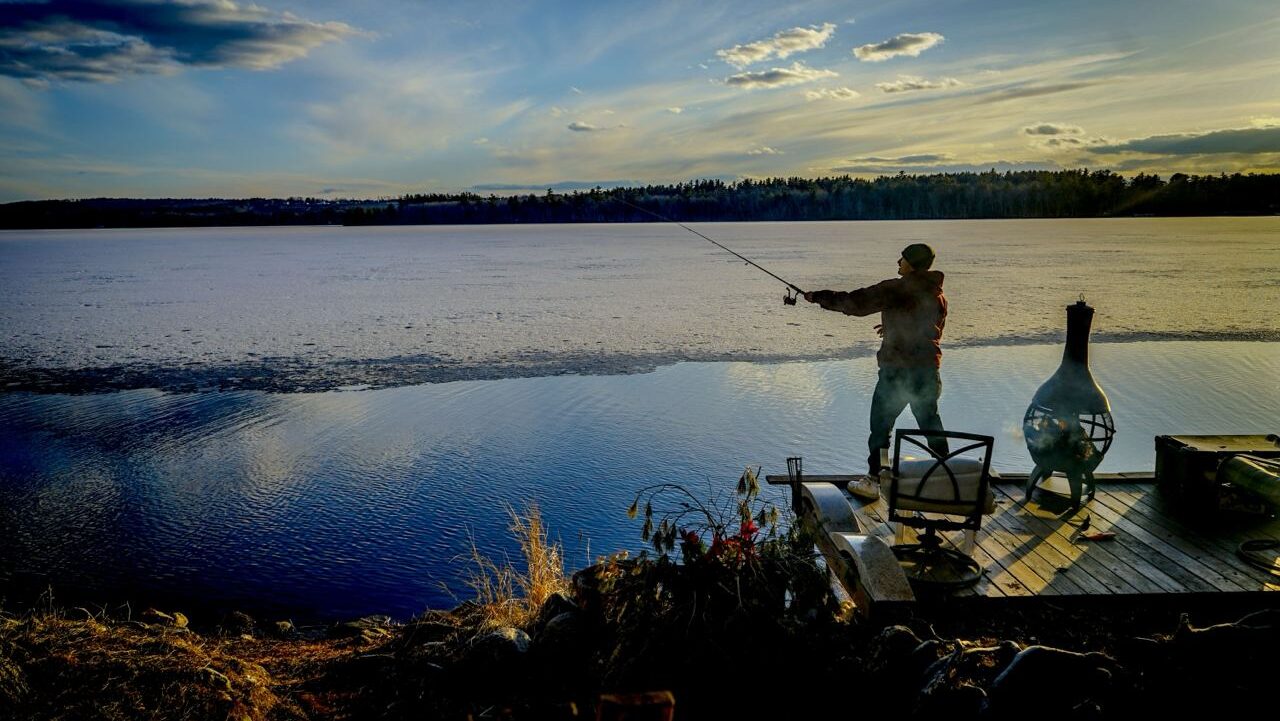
column 1023, row 194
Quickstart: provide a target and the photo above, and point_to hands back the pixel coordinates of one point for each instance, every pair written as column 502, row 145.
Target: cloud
column 1060, row 136
column 1053, row 129
column 1071, row 142
column 782, row 45
column 1231, row 140
column 797, row 74
column 574, row 90
column 562, row 185
column 924, row 158
column 999, row 166
column 1031, row 91
column 21, row 106
column 102, row 41
column 580, row 126
column 480, row 141
column 522, row 157
column 392, row 114
column 832, row 94
column 557, row 111
column 675, row 110
column 911, row 44
column 909, row 83
column 764, row 150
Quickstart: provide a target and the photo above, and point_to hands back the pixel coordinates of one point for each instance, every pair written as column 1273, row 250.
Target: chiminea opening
column 1068, row 426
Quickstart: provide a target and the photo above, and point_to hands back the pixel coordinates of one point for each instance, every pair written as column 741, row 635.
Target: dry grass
column 60, row 668
column 64, row 666
column 506, row 595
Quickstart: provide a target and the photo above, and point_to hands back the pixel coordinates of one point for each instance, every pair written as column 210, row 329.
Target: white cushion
column 938, row 494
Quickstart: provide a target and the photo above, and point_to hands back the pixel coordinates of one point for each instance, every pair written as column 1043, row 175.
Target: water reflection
column 338, row 504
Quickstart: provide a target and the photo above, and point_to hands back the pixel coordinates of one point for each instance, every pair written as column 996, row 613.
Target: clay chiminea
column 1068, row 426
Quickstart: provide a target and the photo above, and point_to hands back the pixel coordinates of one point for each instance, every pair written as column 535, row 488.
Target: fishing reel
column 789, row 296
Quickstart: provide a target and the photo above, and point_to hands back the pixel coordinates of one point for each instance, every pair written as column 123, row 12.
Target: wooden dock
column 1032, row 550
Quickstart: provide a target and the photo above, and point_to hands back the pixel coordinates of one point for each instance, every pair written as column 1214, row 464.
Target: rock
column 563, row 646
column 564, row 632
column 430, row 628
column 312, row 633
column 891, row 648
column 897, row 642
column 369, row 629
column 497, row 647
column 585, row 580
column 152, row 615
column 586, row 585
column 238, row 624
column 1052, row 680
column 926, row 654
column 174, row 620
column 555, row 605
column 214, row 678
column 465, row 610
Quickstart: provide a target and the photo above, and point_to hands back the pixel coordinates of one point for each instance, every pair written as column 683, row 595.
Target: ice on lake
column 317, row 308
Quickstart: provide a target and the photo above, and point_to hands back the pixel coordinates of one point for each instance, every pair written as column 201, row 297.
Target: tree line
column 1014, row 194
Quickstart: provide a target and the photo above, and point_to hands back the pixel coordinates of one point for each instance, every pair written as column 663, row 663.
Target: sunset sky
column 337, row 99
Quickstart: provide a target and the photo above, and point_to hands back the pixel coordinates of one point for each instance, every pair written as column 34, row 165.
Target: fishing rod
column 787, row 298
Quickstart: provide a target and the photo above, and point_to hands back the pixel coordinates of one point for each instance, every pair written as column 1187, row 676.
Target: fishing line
column 787, row 299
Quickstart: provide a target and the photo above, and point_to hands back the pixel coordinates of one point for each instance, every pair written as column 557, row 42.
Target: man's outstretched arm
column 863, row 301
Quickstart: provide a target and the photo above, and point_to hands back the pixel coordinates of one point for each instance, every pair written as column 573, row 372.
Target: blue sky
column 199, row 98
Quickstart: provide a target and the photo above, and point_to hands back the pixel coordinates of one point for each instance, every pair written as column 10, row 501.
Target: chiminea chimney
column 1068, row 426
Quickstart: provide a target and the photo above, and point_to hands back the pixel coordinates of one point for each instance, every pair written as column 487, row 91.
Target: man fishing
column 912, row 312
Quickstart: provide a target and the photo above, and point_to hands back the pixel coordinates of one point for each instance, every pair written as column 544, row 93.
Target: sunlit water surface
column 336, row 504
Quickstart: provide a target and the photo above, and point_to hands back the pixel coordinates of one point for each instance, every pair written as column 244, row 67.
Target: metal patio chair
column 939, row 493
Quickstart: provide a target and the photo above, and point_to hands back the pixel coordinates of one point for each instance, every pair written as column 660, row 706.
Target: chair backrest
column 957, row 483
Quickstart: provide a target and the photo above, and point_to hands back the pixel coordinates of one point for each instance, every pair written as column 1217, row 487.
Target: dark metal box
column 1186, row 466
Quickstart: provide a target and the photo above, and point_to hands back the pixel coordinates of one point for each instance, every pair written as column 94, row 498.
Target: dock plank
column 1062, row 556
column 1048, row 562
column 1221, row 548
column 1113, row 564
column 1184, row 538
column 1134, row 557
column 997, row 581
column 1012, row 565
column 1020, row 550
column 1167, row 552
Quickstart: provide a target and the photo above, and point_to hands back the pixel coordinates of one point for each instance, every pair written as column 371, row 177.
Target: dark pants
column 896, row 389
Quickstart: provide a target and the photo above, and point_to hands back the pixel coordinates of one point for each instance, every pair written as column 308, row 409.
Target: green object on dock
column 1259, row 476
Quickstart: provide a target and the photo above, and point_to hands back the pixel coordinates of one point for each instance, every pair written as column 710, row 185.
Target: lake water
column 344, row 502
